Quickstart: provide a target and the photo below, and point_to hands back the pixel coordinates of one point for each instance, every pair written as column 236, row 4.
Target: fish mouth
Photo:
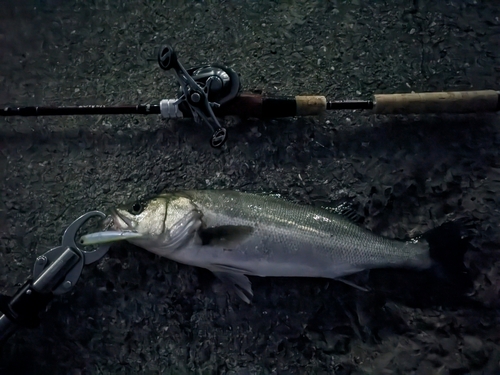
column 119, row 222
column 115, row 227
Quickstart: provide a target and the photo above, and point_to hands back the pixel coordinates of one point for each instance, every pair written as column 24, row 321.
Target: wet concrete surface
column 136, row 313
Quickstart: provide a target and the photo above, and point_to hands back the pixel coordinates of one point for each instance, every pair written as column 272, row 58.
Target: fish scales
column 291, row 233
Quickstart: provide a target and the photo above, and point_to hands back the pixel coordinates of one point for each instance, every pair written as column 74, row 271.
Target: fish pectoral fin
column 238, row 282
column 227, row 236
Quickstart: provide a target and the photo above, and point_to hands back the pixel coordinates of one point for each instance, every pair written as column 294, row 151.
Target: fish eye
column 136, row 208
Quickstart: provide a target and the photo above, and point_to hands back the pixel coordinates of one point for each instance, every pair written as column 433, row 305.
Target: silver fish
column 235, row 234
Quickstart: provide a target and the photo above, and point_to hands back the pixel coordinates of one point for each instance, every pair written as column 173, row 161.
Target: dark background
column 136, row 313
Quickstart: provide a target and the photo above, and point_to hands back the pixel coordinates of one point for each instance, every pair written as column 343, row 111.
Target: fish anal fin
column 351, row 284
column 227, row 236
column 238, row 282
column 355, row 278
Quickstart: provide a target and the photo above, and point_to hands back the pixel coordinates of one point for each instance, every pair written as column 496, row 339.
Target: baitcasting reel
column 201, row 90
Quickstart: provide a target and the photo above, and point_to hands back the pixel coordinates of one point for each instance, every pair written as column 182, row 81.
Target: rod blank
column 141, row 109
column 256, row 105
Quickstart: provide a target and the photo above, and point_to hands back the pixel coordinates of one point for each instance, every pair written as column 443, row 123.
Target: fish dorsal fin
column 227, row 236
column 267, row 194
column 346, row 210
column 234, row 278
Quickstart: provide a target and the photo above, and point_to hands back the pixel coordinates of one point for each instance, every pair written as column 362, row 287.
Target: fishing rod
column 208, row 92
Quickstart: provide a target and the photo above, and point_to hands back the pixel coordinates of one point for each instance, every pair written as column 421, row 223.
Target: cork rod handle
column 438, row 102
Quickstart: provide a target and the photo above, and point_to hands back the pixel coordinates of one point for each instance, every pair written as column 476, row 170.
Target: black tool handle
column 22, row 309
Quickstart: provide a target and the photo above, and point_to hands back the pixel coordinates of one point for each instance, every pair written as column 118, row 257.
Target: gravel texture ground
column 136, row 313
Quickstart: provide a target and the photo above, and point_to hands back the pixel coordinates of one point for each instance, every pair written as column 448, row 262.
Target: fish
column 236, row 234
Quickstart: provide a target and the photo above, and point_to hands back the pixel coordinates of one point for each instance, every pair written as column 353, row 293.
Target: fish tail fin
column 448, row 244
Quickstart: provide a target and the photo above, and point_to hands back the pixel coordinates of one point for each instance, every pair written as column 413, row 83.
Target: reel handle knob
column 167, row 58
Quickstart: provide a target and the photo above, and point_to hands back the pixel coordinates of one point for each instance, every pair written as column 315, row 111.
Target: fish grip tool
column 55, row 272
